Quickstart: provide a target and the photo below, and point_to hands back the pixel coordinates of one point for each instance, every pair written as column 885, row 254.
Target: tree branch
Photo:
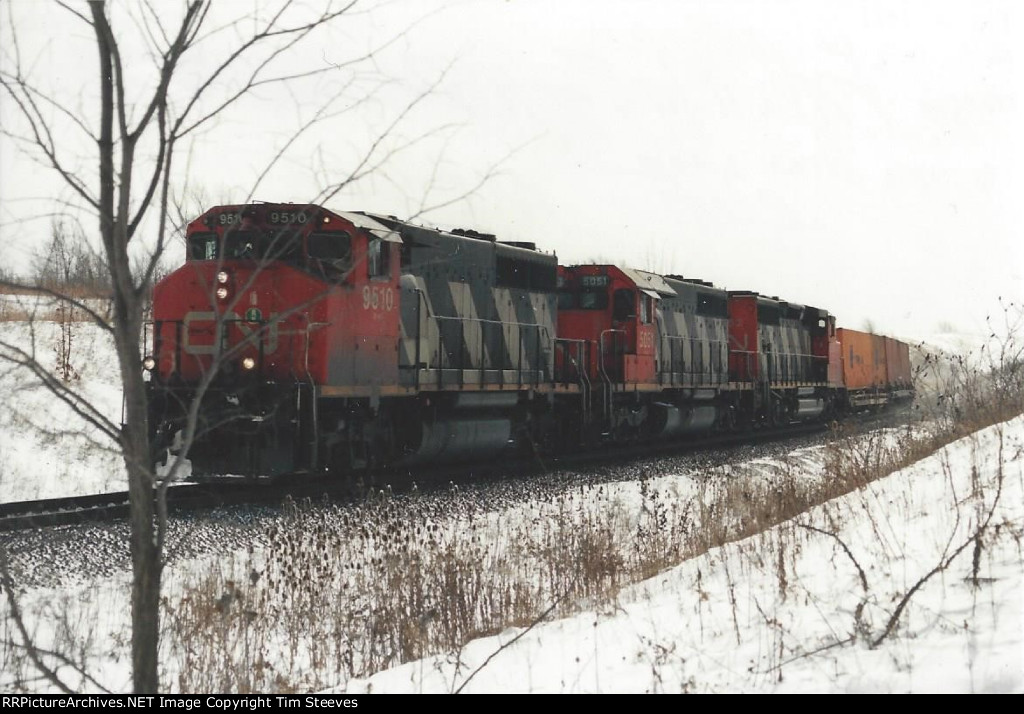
column 253, row 41
column 81, row 406
column 42, row 137
column 539, row 619
column 849, row 553
column 944, row 563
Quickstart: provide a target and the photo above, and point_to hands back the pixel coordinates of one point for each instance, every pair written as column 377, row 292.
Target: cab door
column 633, row 314
column 643, row 367
column 621, row 343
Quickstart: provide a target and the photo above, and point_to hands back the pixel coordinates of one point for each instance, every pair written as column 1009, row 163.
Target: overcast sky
column 864, row 157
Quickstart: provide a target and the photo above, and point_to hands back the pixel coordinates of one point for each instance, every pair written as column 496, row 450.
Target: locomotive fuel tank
column 668, row 421
column 469, row 425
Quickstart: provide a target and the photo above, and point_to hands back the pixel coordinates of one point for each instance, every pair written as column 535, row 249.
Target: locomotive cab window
column 331, row 253
column 241, row 245
column 329, row 246
column 378, row 263
column 202, row 246
column 566, row 300
column 624, row 305
column 284, row 245
column 593, row 300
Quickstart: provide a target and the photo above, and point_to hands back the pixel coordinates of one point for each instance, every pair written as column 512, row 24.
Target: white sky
column 861, row 156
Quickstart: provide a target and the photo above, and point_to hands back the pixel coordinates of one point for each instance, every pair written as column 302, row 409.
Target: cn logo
column 203, row 332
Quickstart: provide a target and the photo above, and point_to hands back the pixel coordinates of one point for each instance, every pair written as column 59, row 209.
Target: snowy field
column 46, row 451
column 787, row 610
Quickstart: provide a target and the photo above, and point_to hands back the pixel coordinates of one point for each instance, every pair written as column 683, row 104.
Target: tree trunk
column 127, row 326
column 146, row 562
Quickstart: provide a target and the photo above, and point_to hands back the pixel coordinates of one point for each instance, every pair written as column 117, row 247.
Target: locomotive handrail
column 158, row 341
column 788, row 367
column 491, row 322
column 418, row 365
column 577, row 353
column 258, row 335
column 749, row 359
column 310, row 326
column 539, row 331
column 601, row 368
column 421, row 299
column 772, row 370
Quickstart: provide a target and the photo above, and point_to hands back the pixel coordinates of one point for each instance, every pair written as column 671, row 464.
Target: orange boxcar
column 863, row 357
column 897, row 361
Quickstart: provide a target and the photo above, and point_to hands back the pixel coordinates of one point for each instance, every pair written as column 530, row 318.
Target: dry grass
column 77, row 292
column 345, row 592
column 39, row 307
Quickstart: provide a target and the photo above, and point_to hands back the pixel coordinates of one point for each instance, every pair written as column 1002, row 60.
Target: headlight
column 222, row 293
column 248, row 363
column 149, row 364
column 222, row 277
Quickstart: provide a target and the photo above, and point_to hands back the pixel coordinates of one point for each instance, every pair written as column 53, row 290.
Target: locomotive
column 299, row 339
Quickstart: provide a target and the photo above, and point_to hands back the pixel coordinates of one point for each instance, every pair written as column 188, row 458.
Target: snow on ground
column 786, row 611
column 46, row 451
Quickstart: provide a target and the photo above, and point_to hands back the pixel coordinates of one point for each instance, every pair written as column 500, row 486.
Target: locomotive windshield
column 331, row 253
column 202, row 246
column 591, row 295
column 329, row 246
column 244, row 245
column 593, row 299
column 583, row 300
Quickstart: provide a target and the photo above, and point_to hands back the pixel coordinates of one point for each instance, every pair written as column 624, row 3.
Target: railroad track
column 20, row 515
column 24, row 515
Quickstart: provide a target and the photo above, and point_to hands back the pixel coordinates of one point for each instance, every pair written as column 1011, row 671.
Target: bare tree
column 133, row 133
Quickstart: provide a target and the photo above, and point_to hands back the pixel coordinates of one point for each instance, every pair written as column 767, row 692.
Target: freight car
column 299, row 339
column 875, row 369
